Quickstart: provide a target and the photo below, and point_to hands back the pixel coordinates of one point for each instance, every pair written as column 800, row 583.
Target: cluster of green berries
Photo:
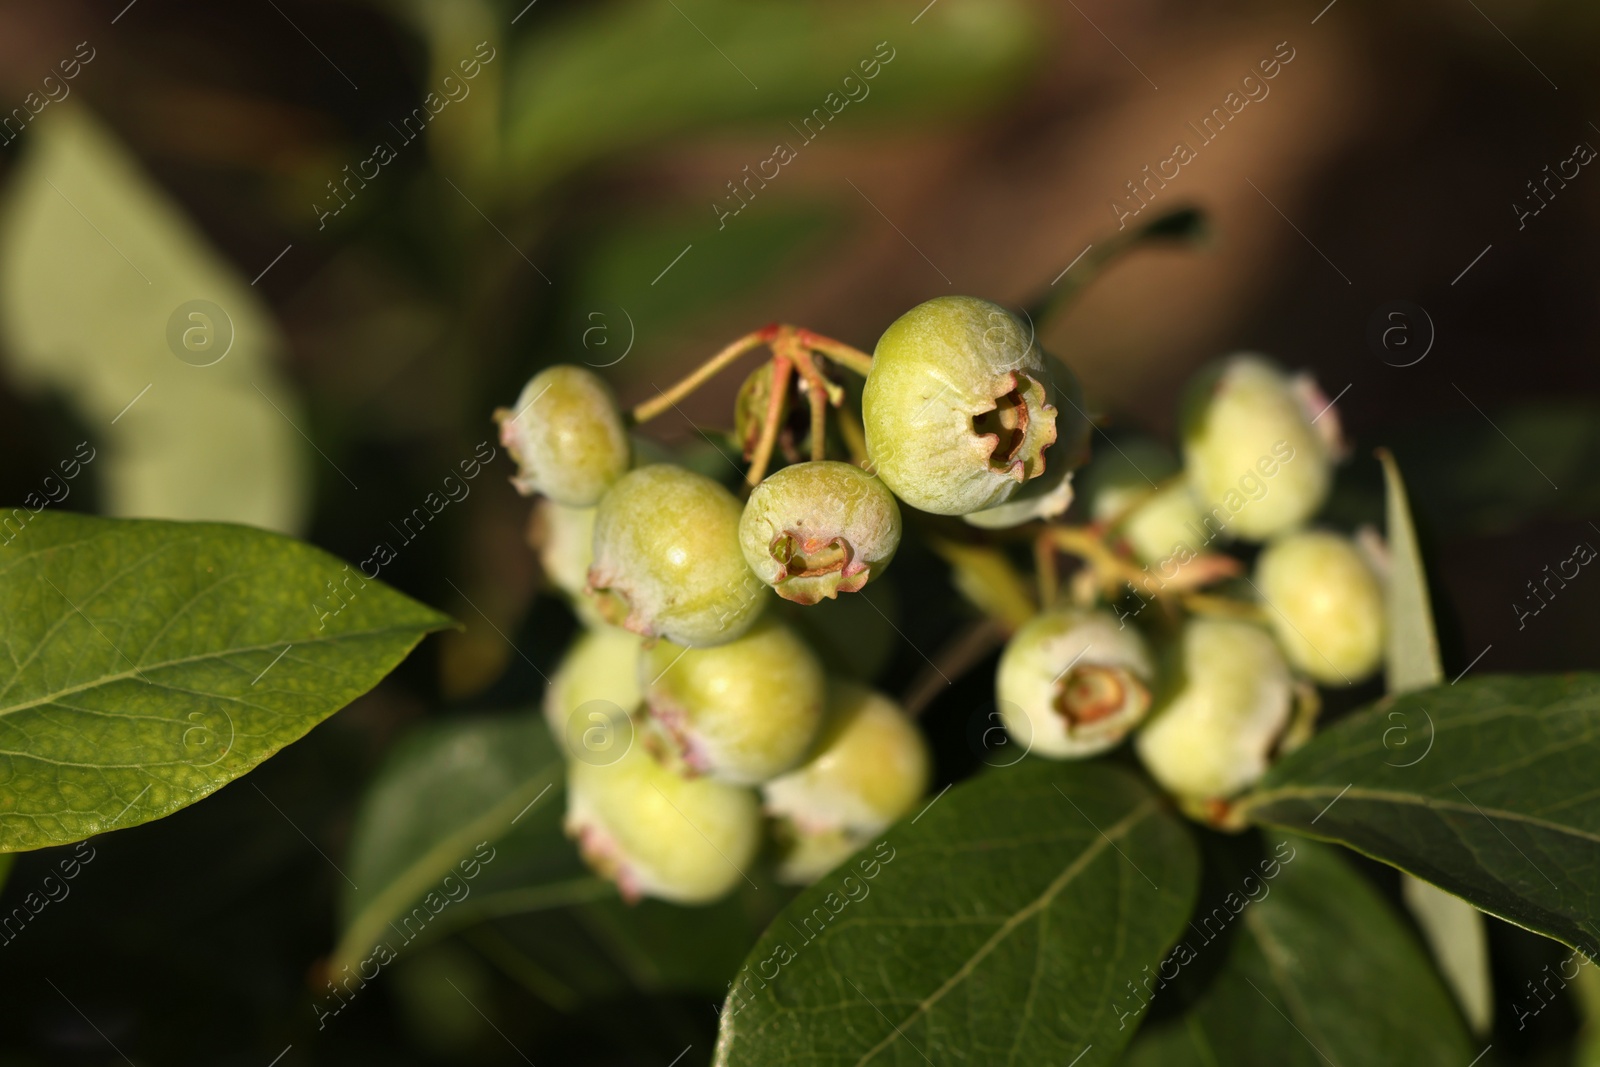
column 1231, row 683
column 699, row 725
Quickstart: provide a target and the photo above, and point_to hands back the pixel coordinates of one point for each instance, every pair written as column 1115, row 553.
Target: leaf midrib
column 123, row 676
column 1415, row 800
column 1017, row 918
column 361, row 933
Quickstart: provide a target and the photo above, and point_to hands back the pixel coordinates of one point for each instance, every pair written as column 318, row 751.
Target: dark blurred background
column 1382, row 216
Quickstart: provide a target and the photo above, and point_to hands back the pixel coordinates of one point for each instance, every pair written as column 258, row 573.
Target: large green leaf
column 448, row 789
column 1319, row 971
column 993, row 927
column 1502, row 809
column 150, row 663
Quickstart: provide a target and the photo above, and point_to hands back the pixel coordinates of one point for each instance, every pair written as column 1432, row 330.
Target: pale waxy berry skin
column 658, row 834
column 818, row 529
column 1215, row 733
column 1073, row 683
column 1326, row 605
column 957, row 406
column 566, row 436
column 667, row 561
column 1165, row 525
column 869, row 766
column 1117, row 478
column 602, row 664
column 1257, row 465
column 741, row 712
column 563, row 538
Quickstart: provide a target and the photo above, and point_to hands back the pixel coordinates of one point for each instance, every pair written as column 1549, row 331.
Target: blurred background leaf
column 94, row 263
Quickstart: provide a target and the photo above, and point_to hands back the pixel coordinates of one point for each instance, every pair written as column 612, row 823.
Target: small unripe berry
column 869, row 767
column 601, row 665
column 743, row 711
column 1122, row 474
column 658, row 834
column 819, row 529
column 1326, row 605
column 1073, row 683
column 667, row 561
column 750, row 409
column 563, row 539
column 957, row 406
column 1165, row 524
column 1256, row 463
column 1214, row 734
column 566, row 436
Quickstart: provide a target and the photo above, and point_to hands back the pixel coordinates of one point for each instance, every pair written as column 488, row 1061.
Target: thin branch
column 855, row 438
column 649, row 409
column 841, row 353
column 782, row 368
column 1044, row 567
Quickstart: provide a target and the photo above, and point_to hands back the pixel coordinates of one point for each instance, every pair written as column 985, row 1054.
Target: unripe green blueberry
column 667, row 561
column 1256, row 463
column 563, row 539
column 819, row 529
column 566, row 436
column 750, row 408
column 1214, row 733
column 742, row 711
column 1122, row 474
column 658, row 834
column 1165, row 524
column 806, row 855
column 602, row 664
column 957, row 406
column 1072, row 683
column 1326, row 605
column 1052, row 493
column 869, row 767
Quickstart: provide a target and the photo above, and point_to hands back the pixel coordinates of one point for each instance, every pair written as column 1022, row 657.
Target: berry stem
column 1224, row 607
column 963, row 652
column 819, row 423
column 1111, row 569
column 852, row 358
column 649, row 409
column 1044, row 568
column 855, row 437
column 782, row 368
column 818, row 392
column 1183, row 226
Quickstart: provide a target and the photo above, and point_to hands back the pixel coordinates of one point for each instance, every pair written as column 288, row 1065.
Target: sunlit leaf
column 151, row 663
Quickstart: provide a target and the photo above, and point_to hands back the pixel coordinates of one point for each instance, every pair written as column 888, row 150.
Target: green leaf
column 99, row 274
column 1453, row 928
column 607, row 77
column 1413, row 652
column 1320, row 971
column 1498, row 806
column 992, row 927
column 448, row 788
column 1456, row 935
column 151, row 663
